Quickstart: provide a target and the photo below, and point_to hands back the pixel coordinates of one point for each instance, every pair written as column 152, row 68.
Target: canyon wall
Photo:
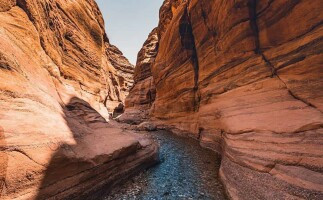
column 143, row 93
column 60, row 79
column 245, row 79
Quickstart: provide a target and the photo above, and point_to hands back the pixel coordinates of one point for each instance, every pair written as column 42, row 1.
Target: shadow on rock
column 3, row 162
column 95, row 158
column 70, row 164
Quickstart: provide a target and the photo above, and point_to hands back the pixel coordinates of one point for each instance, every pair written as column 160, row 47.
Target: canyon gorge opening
column 225, row 102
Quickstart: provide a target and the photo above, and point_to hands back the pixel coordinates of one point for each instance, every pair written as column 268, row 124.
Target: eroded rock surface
column 245, row 78
column 60, row 79
column 143, row 93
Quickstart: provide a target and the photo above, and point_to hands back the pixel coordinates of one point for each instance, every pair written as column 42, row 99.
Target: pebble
column 187, row 172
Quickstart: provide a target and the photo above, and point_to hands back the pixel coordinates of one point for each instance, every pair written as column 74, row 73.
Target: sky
column 129, row 22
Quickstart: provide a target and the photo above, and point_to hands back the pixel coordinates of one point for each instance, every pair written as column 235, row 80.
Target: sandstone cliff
column 142, row 95
column 245, row 79
column 60, row 78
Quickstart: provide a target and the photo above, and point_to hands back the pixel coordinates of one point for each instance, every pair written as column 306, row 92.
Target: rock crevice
column 252, row 4
column 188, row 43
column 258, row 82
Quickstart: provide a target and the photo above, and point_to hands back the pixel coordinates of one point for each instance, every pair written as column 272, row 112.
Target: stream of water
column 186, row 171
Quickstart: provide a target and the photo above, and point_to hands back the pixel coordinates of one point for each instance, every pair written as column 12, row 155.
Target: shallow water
column 186, row 171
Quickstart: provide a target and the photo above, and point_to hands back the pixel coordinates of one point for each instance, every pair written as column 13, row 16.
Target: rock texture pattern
column 245, row 78
column 60, row 78
column 143, row 93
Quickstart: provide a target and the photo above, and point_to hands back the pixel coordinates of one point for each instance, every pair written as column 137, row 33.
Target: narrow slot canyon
column 225, row 100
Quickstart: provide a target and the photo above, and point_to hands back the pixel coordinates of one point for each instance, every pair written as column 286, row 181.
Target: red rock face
column 143, row 93
column 72, row 35
column 59, row 79
column 146, row 57
column 245, row 78
column 123, row 77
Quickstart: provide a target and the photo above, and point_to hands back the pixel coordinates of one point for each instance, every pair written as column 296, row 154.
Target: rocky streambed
column 186, row 171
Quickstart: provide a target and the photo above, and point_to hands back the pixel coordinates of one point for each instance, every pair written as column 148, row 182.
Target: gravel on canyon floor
column 186, row 171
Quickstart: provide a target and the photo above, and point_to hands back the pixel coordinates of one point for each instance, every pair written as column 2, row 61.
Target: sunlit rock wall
column 245, row 79
column 59, row 79
column 143, row 93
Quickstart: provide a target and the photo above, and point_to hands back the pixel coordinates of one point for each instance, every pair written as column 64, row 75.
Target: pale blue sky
column 128, row 23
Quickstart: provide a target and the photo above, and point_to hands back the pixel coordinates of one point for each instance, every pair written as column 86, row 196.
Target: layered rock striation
column 60, row 79
column 245, row 79
column 142, row 94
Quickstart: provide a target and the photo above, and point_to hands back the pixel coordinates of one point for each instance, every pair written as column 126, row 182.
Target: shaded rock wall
column 245, row 78
column 60, row 77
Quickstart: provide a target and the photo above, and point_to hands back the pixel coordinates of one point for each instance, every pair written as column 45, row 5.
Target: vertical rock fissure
column 252, row 5
column 188, row 43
